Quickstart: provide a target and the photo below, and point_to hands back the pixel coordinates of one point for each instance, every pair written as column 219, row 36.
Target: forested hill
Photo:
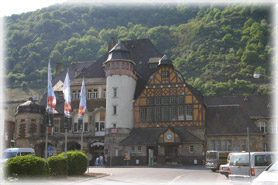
column 217, row 49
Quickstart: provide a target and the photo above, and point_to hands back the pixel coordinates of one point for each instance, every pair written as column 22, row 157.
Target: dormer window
column 165, row 74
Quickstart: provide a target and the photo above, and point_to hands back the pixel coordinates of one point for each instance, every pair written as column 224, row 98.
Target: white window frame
column 95, row 93
column 263, row 125
column 89, row 93
column 139, row 151
column 115, row 92
column 73, row 94
column 114, row 109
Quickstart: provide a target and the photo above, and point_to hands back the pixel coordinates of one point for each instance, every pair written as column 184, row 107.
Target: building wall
column 238, row 143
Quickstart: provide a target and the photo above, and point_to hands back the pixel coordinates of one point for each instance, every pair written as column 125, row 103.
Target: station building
column 138, row 105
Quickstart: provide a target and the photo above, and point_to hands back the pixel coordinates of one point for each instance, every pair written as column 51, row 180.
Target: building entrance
column 171, row 154
column 96, row 149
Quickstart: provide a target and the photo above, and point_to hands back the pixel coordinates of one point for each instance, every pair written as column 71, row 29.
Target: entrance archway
column 96, row 149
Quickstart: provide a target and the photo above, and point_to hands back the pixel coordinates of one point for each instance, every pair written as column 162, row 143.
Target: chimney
column 111, row 44
column 58, row 68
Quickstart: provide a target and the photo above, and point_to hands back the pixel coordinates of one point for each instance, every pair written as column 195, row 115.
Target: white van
column 13, row 152
column 239, row 165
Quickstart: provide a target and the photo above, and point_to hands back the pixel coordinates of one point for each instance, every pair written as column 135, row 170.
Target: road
column 188, row 175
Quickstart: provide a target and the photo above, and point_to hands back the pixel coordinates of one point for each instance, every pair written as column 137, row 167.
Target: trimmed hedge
column 26, row 166
column 77, row 162
column 58, row 166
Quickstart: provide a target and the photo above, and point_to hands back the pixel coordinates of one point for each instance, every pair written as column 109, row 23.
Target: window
column 165, row 100
column 217, row 144
column 139, row 148
column 97, row 126
column 262, row 127
column 180, row 99
column 165, row 74
column 158, row 113
column 229, row 145
column 223, row 145
column 150, row 101
column 189, row 112
column 180, row 113
column 95, row 95
column 133, row 148
column 118, row 65
column 173, row 100
column 114, row 92
column 123, row 65
column 126, row 66
column 143, row 114
column 104, row 93
column 78, row 94
column 114, row 109
column 75, row 127
column 150, row 114
column 101, row 126
column 114, row 125
column 173, row 113
column 86, row 127
column 73, row 95
column 243, row 145
column 211, row 145
column 191, row 148
column 165, row 113
column 89, row 94
column 56, row 125
column 158, row 100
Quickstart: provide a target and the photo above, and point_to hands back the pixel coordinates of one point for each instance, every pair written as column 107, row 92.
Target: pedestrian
column 101, row 160
column 97, row 161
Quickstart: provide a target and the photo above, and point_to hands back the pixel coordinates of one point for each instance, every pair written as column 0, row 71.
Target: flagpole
column 66, row 140
column 82, row 137
column 46, row 142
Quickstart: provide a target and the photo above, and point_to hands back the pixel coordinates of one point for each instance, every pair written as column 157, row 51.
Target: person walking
column 101, row 160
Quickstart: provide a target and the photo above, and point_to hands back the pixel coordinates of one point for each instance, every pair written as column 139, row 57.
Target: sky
column 10, row 7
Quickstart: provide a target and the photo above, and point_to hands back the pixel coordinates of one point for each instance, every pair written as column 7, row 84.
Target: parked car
column 215, row 158
column 223, row 169
column 13, row 152
column 239, row 170
column 269, row 176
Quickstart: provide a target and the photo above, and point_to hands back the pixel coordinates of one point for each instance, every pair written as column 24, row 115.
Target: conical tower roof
column 118, row 52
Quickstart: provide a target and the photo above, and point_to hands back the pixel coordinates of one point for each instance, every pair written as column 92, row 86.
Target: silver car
column 239, row 170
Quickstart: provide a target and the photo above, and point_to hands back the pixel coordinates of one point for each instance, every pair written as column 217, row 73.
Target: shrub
column 77, row 162
column 58, row 166
column 26, row 166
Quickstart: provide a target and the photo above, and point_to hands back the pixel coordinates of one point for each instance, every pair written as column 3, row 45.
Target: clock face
column 169, row 136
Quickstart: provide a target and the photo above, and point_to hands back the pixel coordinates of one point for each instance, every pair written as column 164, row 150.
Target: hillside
column 217, row 49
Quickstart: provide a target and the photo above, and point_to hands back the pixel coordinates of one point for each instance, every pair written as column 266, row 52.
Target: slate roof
column 30, row 106
column 118, row 52
column 228, row 120
column 254, row 105
column 150, row 136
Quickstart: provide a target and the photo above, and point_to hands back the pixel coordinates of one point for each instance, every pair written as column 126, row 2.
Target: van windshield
column 263, row 160
column 8, row 155
column 211, row 155
column 239, row 160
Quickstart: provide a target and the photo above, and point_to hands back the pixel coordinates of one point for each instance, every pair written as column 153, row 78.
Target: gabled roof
column 254, row 105
column 150, row 136
column 228, row 120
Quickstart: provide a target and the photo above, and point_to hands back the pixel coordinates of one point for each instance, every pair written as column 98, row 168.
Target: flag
column 82, row 104
column 51, row 98
column 66, row 91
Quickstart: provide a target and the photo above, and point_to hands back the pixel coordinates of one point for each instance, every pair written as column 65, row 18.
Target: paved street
column 144, row 175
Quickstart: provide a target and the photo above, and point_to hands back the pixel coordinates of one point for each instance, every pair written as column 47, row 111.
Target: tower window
column 114, row 109
column 115, row 92
column 104, row 93
column 73, row 95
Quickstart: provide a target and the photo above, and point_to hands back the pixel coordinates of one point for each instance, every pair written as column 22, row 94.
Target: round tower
column 120, row 88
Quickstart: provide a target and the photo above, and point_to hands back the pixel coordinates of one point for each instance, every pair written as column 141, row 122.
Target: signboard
column 50, row 149
column 114, row 131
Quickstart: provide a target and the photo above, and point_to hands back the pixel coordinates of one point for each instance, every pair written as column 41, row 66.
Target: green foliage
column 58, row 166
column 215, row 44
column 77, row 162
column 26, row 166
